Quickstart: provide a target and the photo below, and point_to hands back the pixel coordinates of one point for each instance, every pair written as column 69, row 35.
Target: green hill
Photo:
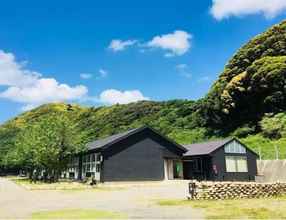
column 248, row 101
column 252, row 83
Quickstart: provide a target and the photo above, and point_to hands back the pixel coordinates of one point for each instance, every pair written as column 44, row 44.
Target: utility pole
column 259, row 152
column 276, row 152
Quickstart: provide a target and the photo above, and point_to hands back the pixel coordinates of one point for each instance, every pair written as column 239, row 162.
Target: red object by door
column 215, row 169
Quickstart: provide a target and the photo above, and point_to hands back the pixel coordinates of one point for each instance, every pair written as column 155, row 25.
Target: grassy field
column 265, row 208
column 77, row 214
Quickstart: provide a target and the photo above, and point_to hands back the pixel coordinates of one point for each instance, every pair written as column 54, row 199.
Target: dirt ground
column 138, row 200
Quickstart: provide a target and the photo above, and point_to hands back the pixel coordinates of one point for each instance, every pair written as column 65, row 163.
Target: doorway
column 178, row 169
column 173, row 169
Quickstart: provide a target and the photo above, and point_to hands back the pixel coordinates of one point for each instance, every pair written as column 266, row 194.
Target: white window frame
column 91, row 164
column 237, row 168
column 73, row 166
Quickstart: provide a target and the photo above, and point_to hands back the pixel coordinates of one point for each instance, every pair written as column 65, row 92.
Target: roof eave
column 196, row 155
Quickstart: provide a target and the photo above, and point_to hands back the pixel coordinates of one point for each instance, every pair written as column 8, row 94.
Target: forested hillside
column 248, row 101
column 252, row 83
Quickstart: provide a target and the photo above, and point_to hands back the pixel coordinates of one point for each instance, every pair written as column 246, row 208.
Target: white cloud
column 13, row 73
column 103, row 73
column 113, row 96
column 28, row 107
column 119, row 45
column 42, row 91
column 86, row 75
column 184, row 70
column 205, row 79
column 226, row 8
column 30, row 88
column 182, row 66
column 176, row 43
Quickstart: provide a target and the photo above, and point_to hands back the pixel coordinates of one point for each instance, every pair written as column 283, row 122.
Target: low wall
column 271, row 170
column 235, row 190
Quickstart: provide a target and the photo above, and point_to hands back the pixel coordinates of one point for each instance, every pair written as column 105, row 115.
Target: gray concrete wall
column 271, row 170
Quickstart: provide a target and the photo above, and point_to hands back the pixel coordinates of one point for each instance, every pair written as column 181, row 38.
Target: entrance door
column 173, row 169
column 168, row 169
column 178, row 169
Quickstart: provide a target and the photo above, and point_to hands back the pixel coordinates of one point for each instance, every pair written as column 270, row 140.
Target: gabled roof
column 108, row 141
column 205, row 148
column 97, row 144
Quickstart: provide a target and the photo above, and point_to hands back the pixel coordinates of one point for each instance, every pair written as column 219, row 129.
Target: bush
column 274, row 126
column 243, row 131
column 189, row 136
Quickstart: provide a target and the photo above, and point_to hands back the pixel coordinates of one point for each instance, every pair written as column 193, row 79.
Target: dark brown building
column 145, row 154
column 227, row 159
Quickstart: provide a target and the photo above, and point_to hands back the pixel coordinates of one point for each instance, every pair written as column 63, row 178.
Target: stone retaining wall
column 234, row 190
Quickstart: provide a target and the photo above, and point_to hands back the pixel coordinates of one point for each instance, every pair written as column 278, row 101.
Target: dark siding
column 138, row 157
column 192, row 172
column 218, row 159
column 80, row 167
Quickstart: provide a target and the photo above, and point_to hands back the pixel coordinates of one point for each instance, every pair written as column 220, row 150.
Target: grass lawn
column 264, row 208
column 77, row 214
column 61, row 185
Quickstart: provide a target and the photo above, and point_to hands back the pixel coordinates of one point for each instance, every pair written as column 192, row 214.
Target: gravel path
column 136, row 200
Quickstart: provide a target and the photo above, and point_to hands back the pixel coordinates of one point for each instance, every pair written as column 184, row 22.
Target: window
column 72, row 168
column 236, row 164
column 97, row 168
column 90, row 164
column 230, row 164
column 241, row 164
column 73, row 164
column 234, row 147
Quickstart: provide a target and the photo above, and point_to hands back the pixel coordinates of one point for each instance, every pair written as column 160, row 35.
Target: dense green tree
column 252, row 83
column 7, row 140
column 46, row 146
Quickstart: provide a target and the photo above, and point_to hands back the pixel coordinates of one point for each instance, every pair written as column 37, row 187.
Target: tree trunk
column 30, row 174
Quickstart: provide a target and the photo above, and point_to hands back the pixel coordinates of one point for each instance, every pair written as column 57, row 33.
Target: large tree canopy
column 46, row 145
column 251, row 84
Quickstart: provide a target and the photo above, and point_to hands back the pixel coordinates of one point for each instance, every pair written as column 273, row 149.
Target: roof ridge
column 108, row 141
column 216, row 140
column 102, row 142
column 117, row 134
column 206, row 147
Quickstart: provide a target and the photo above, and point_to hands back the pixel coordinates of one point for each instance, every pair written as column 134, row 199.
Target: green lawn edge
column 78, row 214
column 263, row 208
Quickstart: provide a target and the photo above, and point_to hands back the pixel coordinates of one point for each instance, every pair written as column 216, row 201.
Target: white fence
column 271, row 170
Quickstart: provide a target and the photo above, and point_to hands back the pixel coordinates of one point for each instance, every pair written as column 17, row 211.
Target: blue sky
column 106, row 52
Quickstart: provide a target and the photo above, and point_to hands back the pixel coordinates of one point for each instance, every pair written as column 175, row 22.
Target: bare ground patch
column 136, row 200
